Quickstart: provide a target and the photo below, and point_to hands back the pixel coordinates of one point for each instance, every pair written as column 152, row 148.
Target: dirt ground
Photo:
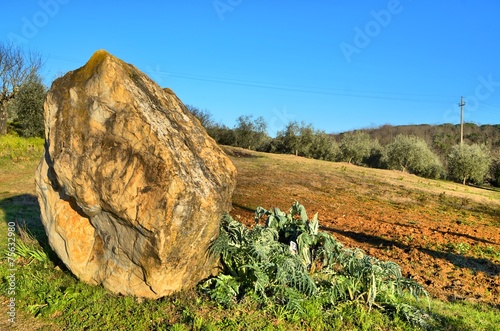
column 444, row 235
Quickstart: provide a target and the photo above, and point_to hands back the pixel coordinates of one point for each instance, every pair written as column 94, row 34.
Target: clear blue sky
column 339, row 65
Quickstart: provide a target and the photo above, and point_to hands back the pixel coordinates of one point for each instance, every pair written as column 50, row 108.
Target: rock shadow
column 24, row 211
column 461, row 261
column 453, row 233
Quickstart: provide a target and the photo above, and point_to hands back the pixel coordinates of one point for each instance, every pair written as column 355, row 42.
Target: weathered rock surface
column 131, row 187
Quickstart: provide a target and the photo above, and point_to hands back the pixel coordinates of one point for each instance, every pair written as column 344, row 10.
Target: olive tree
column 412, row 154
column 495, row 171
column 355, row 146
column 469, row 163
column 15, row 67
column 324, row 147
column 295, row 139
column 28, row 105
column 307, row 136
column 287, row 141
column 250, row 133
column 303, row 140
column 377, row 157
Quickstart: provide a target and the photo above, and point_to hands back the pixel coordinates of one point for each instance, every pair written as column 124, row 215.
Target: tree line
column 474, row 162
column 423, row 150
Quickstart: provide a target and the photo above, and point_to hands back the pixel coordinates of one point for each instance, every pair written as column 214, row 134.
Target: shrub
column 222, row 134
column 287, row 261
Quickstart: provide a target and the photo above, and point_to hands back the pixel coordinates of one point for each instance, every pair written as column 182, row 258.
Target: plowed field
column 444, row 235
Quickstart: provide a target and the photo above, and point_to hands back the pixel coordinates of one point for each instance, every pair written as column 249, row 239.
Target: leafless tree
column 16, row 66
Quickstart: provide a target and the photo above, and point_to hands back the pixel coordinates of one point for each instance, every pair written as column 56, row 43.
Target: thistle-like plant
column 316, row 249
column 286, row 259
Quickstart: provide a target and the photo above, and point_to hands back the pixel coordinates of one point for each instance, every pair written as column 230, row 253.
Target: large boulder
column 131, row 187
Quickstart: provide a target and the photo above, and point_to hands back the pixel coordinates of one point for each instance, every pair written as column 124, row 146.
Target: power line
column 291, row 87
column 345, row 93
column 394, row 96
column 496, row 108
column 489, row 111
column 218, row 79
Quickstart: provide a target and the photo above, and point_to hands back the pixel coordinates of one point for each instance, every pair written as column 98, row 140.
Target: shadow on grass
column 461, row 261
column 487, row 188
column 466, row 236
column 464, row 204
column 24, row 211
column 239, row 152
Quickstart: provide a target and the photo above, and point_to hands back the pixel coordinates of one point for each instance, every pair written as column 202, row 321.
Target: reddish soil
column 444, row 235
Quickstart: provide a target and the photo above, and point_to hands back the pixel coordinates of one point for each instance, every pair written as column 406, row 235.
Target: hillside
column 444, row 235
column 440, row 137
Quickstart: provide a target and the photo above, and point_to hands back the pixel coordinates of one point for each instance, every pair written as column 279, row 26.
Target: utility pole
column 462, row 104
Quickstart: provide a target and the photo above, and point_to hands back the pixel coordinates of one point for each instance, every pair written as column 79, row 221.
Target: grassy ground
column 48, row 297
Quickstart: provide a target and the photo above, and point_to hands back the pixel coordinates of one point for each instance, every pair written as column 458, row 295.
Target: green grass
column 487, row 251
column 466, row 316
column 49, row 297
column 480, row 251
column 17, row 149
column 47, row 294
